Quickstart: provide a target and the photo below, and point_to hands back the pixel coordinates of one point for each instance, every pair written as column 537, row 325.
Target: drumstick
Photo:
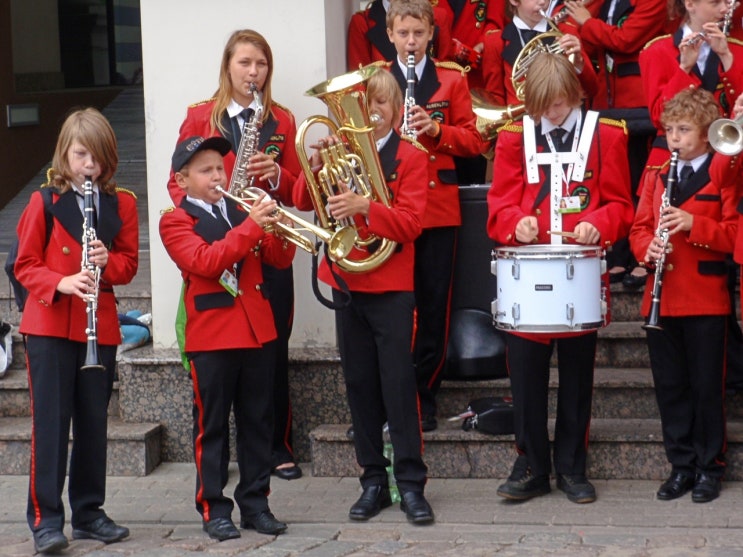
column 562, row 233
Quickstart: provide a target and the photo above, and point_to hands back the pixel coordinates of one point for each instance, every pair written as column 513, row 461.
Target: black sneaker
column 522, row 485
column 577, row 488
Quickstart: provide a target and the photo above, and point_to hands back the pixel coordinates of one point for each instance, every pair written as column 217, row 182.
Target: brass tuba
column 345, row 96
column 490, row 116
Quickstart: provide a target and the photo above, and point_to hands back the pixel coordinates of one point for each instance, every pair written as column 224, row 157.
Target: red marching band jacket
column 605, row 190
column 404, row 167
column 40, row 266
column 695, row 274
column 244, row 321
column 276, row 138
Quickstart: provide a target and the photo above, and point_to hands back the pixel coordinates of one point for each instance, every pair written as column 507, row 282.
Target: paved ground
column 472, row 521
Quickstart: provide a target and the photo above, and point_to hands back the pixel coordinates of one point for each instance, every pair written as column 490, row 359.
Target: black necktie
column 557, row 135
column 687, row 171
column 220, row 217
column 245, row 114
column 528, row 34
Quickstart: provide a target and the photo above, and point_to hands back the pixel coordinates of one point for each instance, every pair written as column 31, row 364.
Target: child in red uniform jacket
column 443, row 120
column 247, row 59
column 687, row 352
column 367, row 35
column 375, row 329
column 502, row 48
column 538, row 171
column 54, row 323
column 219, row 250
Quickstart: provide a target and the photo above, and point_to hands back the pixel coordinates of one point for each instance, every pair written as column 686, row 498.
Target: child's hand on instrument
column 527, row 230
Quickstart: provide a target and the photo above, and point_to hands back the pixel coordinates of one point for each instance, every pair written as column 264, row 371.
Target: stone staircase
column 134, row 448
column 625, row 435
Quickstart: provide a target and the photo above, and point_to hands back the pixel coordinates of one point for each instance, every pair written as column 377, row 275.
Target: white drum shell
column 548, row 289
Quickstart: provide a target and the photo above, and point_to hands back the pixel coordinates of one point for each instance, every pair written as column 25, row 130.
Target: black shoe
column 675, row 486
column 577, row 488
column 288, row 473
column 617, row 276
column 264, row 523
column 50, row 540
column 102, row 529
column 372, row 500
column 221, row 529
column 706, row 488
column 416, row 508
column 522, row 485
column 633, row 282
column 428, row 422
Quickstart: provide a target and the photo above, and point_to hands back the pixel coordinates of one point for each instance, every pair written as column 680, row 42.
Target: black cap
column 187, row 148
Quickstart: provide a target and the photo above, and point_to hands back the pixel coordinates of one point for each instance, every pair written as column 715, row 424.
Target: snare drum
column 548, row 289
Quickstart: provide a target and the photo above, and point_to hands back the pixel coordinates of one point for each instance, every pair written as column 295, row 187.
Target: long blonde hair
column 89, row 128
column 550, row 78
column 223, row 95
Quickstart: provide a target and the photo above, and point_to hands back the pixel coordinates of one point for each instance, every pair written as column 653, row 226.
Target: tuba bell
column 345, row 96
column 726, row 135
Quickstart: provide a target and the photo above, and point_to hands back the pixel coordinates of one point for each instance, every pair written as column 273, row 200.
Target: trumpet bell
column 726, row 136
column 490, row 116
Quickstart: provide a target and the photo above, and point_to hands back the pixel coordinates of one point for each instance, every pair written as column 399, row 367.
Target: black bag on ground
column 492, row 414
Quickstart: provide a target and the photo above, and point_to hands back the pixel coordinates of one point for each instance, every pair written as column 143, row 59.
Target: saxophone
column 240, row 183
column 92, row 361
column 653, row 321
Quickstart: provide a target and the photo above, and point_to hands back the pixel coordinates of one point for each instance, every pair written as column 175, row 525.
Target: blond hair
column 89, row 128
column 550, row 77
column 693, row 104
column 382, row 83
column 223, row 95
column 418, row 9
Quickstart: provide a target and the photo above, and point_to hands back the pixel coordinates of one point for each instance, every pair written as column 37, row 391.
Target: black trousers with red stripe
column 61, row 393
column 280, row 285
column 434, row 268
column 374, row 336
column 529, row 369
column 240, row 380
column 688, row 362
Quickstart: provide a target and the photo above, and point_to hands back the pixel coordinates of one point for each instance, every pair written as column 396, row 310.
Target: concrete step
column 618, row 449
column 133, row 448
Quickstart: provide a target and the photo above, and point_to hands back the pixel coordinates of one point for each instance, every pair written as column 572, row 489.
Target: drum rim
column 547, row 251
column 547, row 329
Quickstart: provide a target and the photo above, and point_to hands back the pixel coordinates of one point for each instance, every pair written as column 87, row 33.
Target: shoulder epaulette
column 124, row 190
column 201, row 102
column 49, row 176
column 167, row 210
column 281, row 106
column 735, row 41
column 490, row 31
column 618, row 123
column 379, row 64
column 449, row 65
column 511, row 126
column 657, row 166
column 434, row 3
column 651, row 41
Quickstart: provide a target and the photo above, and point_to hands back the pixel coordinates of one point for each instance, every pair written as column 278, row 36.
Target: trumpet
column 726, row 135
column 340, row 242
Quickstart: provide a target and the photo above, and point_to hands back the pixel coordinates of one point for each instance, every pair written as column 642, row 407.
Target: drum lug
column 570, row 312
column 493, row 267
column 515, row 270
column 516, row 312
column 604, row 304
column 569, row 269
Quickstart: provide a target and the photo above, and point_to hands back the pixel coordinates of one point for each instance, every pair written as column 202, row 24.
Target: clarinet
column 406, row 130
column 92, row 362
column 653, row 320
